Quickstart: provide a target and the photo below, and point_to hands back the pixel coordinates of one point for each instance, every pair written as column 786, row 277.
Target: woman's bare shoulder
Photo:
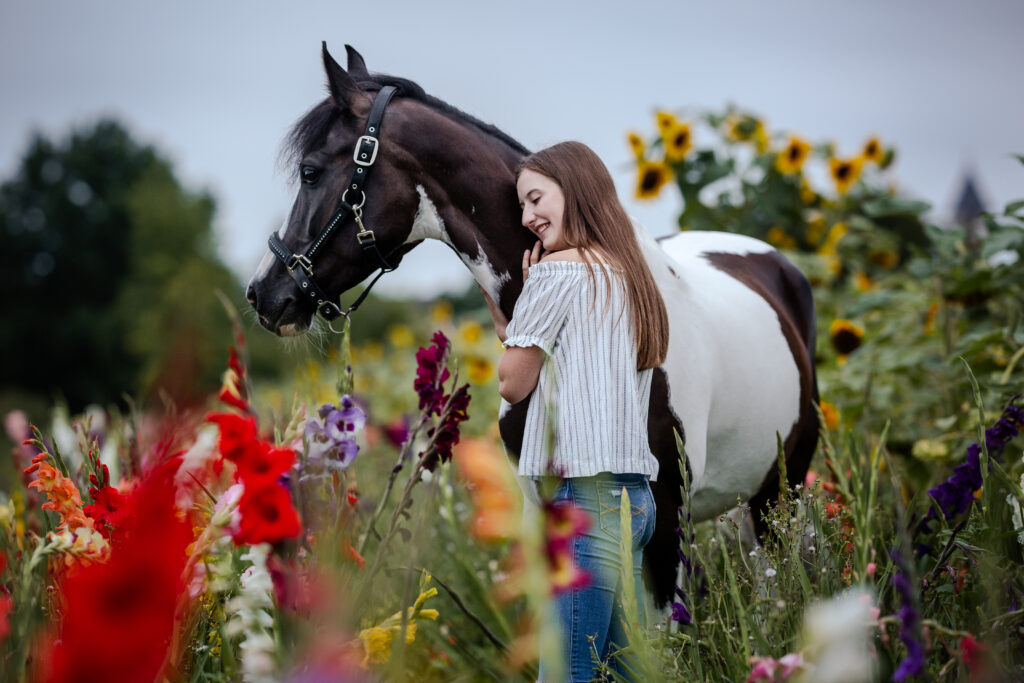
column 571, row 255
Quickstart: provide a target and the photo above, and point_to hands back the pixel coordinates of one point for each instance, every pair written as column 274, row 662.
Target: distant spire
column 969, row 206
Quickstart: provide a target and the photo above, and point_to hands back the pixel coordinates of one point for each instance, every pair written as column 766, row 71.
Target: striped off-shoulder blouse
column 590, row 393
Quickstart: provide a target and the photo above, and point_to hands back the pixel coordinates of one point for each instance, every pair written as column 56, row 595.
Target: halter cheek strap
column 300, row 266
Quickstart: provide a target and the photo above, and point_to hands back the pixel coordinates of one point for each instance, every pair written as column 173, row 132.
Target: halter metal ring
column 354, row 206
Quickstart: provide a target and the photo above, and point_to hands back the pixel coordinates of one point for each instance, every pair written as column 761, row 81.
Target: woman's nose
column 527, row 217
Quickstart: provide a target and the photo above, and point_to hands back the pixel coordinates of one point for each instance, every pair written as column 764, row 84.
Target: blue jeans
column 595, row 612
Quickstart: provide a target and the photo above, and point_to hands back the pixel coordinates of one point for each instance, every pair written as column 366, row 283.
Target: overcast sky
column 216, row 85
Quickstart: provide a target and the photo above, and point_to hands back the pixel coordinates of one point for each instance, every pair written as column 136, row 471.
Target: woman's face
column 543, row 207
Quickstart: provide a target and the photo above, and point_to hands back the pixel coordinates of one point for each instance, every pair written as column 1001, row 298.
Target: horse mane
column 310, row 132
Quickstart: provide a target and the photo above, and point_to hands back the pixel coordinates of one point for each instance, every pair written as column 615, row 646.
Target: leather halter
column 300, row 266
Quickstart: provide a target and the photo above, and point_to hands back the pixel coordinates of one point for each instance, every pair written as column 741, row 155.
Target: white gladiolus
column 837, row 639
column 251, row 619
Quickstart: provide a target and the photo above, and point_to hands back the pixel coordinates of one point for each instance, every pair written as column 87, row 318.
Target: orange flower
column 492, row 486
column 64, row 497
column 831, row 415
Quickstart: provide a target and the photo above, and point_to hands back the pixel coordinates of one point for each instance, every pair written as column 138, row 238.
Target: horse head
column 418, row 185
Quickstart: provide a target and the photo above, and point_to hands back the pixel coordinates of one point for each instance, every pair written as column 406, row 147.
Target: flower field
column 360, row 521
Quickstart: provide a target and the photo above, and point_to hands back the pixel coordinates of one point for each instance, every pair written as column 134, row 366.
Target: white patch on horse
column 732, row 379
column 484, row 273
column 428, row 223
column 268, row 258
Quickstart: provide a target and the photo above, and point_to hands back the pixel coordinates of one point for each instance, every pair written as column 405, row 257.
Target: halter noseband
column 300, row 266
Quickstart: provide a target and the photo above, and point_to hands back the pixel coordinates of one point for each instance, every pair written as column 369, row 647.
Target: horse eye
column 310, row 174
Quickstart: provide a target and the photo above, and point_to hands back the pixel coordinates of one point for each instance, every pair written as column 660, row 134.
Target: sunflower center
column 681, row 138
column 794, row 153
column 650, row 180
column 843, row 171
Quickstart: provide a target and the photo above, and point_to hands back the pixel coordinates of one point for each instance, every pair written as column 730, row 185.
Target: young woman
column 587, row 330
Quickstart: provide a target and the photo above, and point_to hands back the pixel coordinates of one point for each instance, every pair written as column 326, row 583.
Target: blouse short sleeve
column 542, row 309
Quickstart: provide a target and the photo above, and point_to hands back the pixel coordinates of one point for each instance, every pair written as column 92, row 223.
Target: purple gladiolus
column 954, row 495
column 910, row 625
column 331, row 438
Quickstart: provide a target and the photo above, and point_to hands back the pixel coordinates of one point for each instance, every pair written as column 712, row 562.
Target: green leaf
column 1018, row 157
column 886, row 206
column 1014, row 207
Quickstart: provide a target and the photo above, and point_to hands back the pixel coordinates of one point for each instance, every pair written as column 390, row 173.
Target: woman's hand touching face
column 530, row 258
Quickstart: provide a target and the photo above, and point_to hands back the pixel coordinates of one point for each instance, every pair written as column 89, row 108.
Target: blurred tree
column 108, row 272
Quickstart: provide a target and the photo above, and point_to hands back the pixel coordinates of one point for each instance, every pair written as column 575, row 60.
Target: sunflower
column 678, row 141
column 777, row 237
column 845, row 173
column 480, row 370
column 666, row 122
column 873, row 151
column 792, row 157
column 861, row 281
column 835, row 233
column 807, row 193
column 651, row 176
column 636, row 143
column 886, row 259
column 745, row 128
column 441, row 312
column 846, row 337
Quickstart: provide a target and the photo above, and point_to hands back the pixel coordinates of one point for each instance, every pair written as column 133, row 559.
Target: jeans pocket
column 641, row 503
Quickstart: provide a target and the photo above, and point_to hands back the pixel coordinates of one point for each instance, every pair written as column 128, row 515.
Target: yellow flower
column 471, row 331
column 831, row 415
column 807, row 193
column 815, row 228
column 792, row 157
column 885, row 258
column 744, row 128
column 873, row 151
column 651, row 177
column 376, row 645
column 861, row 281
column 441, row 312
column 480, row 370
column 678, row 141
column 845, row 173
column 666, row 122
column 400, row 336
column 777, row 237
column 836, row 233
column 846, row 336
column 636, row 143
column 930, row 449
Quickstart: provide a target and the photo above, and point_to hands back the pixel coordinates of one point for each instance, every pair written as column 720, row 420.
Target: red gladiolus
column 107, row 508
column 262, row 464
column 6, row 606
column 267, row 515
column 431, row 374
column 237, row 433
column 976, row 656
column 117, row 618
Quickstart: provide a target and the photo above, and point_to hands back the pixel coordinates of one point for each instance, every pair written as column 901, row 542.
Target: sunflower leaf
column 1013, row 207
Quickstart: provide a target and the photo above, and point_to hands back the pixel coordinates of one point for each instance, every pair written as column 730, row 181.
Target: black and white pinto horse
column 740, row 365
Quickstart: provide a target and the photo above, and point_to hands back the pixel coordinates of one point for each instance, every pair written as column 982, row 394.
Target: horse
column 739, row 373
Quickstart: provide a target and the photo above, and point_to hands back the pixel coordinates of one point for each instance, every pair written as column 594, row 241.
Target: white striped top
column 589, row 392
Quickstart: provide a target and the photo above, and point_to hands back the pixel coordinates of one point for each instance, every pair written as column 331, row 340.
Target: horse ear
column 356, row 65
column 343, row 89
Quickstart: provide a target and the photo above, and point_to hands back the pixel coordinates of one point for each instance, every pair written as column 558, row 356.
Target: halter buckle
column 365, row 238
column 359, row 156
column 301, row 260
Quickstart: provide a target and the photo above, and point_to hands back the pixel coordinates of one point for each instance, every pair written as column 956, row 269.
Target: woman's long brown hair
column 595, row 223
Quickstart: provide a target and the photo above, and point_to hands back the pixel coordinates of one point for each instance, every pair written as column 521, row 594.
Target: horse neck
column 477, row 211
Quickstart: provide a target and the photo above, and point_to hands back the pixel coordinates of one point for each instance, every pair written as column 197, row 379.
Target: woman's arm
column 518, row 372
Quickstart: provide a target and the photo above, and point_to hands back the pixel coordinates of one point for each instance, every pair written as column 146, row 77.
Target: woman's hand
column 530, row 258
column 500, row 321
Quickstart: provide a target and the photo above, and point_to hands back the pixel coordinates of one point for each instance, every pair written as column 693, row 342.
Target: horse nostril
column 250, row 295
